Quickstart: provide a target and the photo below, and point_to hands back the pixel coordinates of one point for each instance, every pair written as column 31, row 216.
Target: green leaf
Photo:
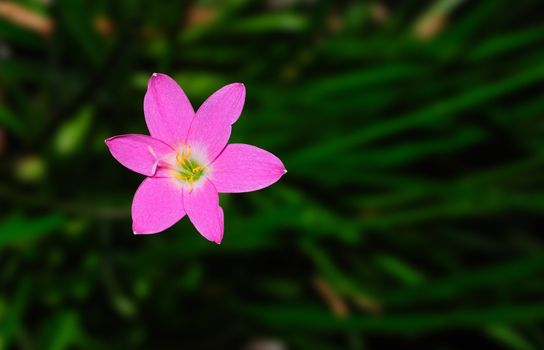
column 16, row 228
column 509, row 337
column 507, row 43
column 273, row 22
column 60, row 332
column 462, row 282
column 12, row 322
column 315, row 318
column 76, row 16
column 71, row 135
column 405, row 273
column 10, row 121
column 440, row 111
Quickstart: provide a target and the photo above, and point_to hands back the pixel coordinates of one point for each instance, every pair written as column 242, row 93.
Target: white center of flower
column 189, row 168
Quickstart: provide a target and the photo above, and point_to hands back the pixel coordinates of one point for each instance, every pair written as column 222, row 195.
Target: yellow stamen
column 177, row 157
column 185, row 154
column 187, row 169
column 200, row 167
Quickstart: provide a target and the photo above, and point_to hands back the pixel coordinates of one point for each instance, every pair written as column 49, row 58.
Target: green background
column 413, row 133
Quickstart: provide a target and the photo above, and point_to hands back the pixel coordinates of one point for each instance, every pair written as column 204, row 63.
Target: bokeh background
column 411, row 216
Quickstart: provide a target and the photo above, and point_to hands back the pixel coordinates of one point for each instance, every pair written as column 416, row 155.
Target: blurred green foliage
column 413, row 133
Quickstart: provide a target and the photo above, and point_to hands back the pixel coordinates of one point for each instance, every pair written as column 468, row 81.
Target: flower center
column 189, row 170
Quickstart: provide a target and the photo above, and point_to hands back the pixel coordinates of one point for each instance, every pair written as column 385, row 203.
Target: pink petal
column 168, row 112
column 202, row 206
column 227, row 101
column 212, row 125
column 139, row 153
column 157, row 205
column 245, row 168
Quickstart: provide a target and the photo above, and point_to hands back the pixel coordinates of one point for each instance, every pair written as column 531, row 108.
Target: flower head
column 187, row 160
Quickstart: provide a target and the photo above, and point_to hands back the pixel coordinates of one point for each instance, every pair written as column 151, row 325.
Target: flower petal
column 202, row 206
column 139, row 153
column 245, row 168
column 168, row 112
column 211, row 127
column 157, row 205
column 227, row 102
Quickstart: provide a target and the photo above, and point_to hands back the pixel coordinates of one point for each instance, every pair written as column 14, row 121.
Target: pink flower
column 187, row 160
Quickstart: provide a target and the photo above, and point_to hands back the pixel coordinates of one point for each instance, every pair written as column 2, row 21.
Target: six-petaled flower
column 187, row 160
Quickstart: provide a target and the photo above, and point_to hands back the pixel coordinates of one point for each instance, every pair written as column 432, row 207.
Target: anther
column 200, row 167
column 177, row 157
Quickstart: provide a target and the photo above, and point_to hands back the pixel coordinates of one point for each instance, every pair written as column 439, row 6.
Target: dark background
column 413, row 133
